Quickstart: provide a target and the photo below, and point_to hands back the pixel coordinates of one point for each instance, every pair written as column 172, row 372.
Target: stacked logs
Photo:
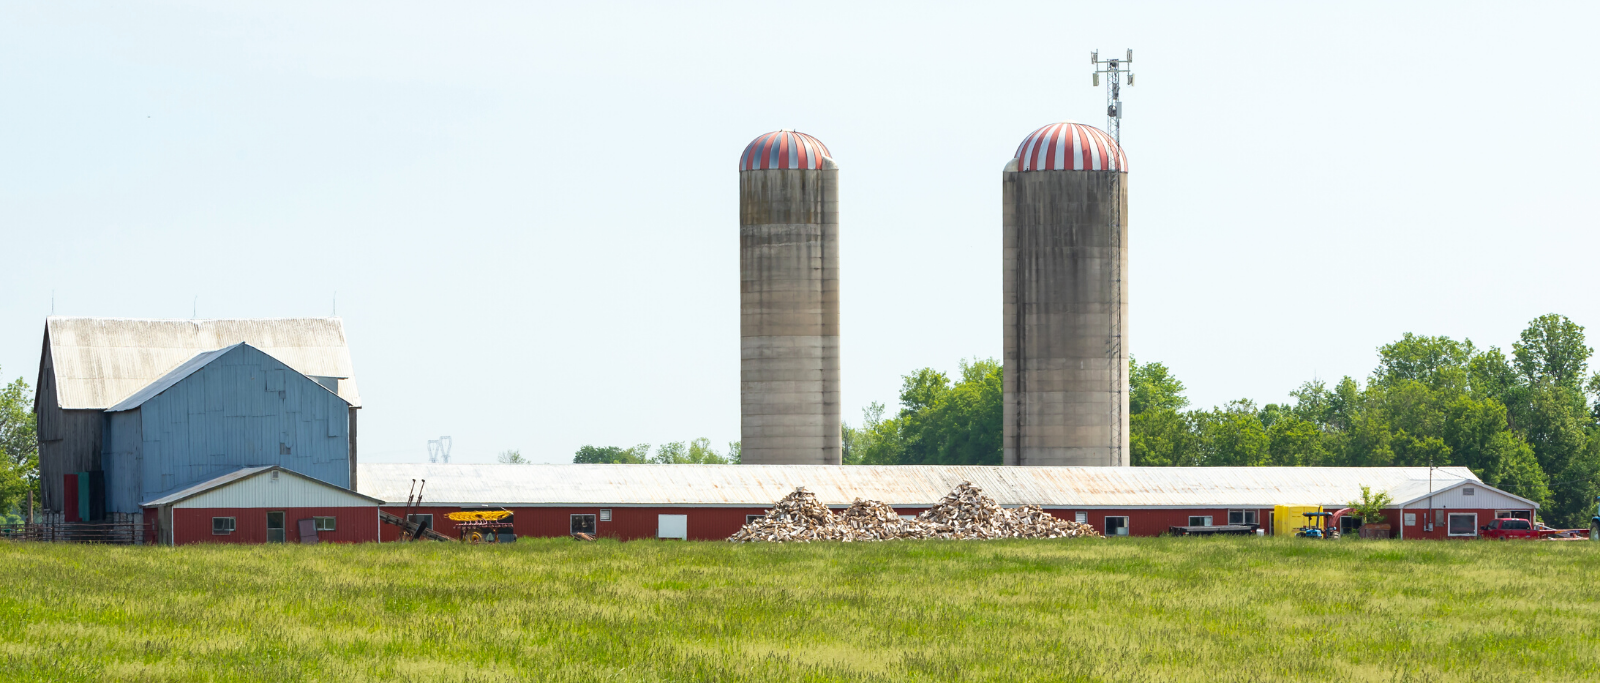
column 966, row 513
column 799, row 517
column 963, row 514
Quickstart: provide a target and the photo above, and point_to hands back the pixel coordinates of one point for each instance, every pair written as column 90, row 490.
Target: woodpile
column 963, row 514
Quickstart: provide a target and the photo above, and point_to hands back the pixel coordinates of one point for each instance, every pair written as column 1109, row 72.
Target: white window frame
column 1409, row 518
column 751, row 518
column 1080, row 517
column 1245, row 517
column 1453, row 515
column 595, row 527
column 1469, row 491
column 325, row 523
column 233, row 525
column 417, row 518
column 1106, row 525
column 1207, row 519
column 1513, row 514
column 666, row 525
column 605, row 515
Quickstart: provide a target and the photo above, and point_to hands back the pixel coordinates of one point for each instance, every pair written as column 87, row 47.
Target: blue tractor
column 1594, row 523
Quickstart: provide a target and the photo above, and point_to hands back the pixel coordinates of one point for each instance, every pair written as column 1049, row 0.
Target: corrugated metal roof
column 240, row 475
column 909, row 485
column 189, row 367
column 100, row 361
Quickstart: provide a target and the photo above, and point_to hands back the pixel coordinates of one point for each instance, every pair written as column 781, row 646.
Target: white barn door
column 672, row 526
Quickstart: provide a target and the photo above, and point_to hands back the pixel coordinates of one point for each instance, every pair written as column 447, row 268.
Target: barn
column 262, row 505
column 710, row 502
column 121, row 422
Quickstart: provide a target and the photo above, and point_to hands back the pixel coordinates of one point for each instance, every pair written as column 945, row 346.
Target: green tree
column 696, row 452
column 959, row 424
column 511, row 457
column 19, row 449
column 1435, row 362
column 876, row 442
column 1553, row 348
column 1163, row 437
column 1232, row 436
column 1151, row 386
column 1369, row 509
column 606, row 455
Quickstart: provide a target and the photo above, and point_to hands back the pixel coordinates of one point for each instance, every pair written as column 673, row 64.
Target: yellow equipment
column 1287, row 519
column 479, row 515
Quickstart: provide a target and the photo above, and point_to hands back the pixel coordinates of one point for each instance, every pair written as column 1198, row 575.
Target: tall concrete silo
column 1066, row 299
column 789, row 301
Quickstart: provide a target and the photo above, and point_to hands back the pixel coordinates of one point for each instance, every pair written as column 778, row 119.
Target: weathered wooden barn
column 88, row 365
column 218, row 412
column 709, row 502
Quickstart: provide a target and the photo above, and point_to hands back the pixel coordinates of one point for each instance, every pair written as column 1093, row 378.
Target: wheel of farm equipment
column 475, row 538
column 1594, row 531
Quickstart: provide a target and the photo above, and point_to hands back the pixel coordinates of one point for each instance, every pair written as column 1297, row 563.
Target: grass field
column 1155, row 609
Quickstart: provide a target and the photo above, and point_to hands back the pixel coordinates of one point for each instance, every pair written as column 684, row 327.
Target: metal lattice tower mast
column 1113, row 69
column 439, row 450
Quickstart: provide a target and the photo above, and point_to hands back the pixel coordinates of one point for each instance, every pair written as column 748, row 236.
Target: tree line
column 696, row 452
column 1527, row 422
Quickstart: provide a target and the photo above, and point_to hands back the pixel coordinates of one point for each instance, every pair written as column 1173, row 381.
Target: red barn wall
column 193, row 525
column 1395, row 519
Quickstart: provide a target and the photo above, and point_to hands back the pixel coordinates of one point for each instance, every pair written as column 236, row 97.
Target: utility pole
column 1113, row 69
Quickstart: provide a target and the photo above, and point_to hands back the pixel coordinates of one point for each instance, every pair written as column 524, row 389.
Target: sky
column 526, row 213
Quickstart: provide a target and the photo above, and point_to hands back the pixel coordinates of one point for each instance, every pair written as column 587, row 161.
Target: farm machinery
column 1594, row 523
column 1321, row 525
column 482, row 526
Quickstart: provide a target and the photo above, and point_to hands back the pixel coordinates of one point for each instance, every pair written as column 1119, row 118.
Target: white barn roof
column 906, row 485
column 101, row 361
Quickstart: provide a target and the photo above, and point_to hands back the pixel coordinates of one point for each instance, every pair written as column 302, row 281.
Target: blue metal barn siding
column 242, row 409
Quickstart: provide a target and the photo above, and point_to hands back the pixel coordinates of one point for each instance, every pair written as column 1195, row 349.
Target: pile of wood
column 799, row 517
column 964, row 513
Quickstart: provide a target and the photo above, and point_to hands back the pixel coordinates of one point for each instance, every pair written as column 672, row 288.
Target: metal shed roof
column 100, row 361
column 242, row 474
column 908, row 485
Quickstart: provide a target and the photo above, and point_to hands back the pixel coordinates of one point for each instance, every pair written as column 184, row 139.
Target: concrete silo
column 789, row 301
column 1066, row 299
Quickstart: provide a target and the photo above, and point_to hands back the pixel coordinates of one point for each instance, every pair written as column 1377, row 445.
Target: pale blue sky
column 529, row 211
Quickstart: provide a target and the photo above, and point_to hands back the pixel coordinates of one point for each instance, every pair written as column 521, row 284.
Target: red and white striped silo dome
column 783, row 150
column 1070, row 146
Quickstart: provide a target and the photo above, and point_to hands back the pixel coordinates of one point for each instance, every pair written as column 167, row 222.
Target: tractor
column 1594, row 523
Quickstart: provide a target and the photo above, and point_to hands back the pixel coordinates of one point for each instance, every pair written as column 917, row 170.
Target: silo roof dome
column 1070, row 146
column 783, row 149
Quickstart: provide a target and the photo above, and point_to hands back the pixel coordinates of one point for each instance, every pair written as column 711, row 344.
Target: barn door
column 274, row 527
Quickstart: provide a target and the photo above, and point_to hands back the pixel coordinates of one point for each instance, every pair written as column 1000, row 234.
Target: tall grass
column 1168, row 609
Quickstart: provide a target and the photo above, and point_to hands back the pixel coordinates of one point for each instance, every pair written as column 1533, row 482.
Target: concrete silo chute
column 1065, row 217
column 789, row 301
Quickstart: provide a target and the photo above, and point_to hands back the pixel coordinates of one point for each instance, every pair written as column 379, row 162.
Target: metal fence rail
column 117, row 533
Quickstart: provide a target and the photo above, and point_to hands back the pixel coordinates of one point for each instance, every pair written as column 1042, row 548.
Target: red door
column 69, row 497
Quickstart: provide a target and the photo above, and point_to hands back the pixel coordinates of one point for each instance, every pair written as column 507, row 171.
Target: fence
column 117, row 533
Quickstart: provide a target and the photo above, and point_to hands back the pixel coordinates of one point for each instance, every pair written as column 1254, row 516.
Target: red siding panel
column 193, row 525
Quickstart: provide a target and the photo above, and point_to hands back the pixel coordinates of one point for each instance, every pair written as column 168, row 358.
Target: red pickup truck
column 1521, row 528
column 1510, row 528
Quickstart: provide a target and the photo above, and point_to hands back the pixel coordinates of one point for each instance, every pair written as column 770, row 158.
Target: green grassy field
column 553, row 609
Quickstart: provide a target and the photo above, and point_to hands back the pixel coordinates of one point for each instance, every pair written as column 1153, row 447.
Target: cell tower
column 439, row 450
column 1113, row 69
